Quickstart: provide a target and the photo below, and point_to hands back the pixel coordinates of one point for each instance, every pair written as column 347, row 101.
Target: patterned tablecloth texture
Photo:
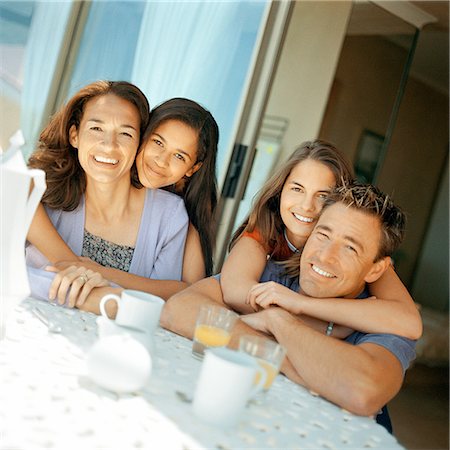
column 47, row 400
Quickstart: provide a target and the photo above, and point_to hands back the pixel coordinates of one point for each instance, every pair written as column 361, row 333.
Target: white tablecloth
column 47, row 400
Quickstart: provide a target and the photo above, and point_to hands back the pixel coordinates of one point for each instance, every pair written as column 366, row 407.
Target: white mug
column 135, row 309
column 107, row 327
column 226, row 382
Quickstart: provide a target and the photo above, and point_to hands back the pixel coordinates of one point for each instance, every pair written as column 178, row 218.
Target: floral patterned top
column 107, row 253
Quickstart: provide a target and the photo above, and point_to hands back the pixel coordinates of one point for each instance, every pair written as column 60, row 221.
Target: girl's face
column 301, row 198
column 168, row 155
column 107, row 138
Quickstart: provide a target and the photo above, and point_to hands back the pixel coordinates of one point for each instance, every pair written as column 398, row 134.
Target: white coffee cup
column 226, row 382
column 107, row 327
column 119, row 363
column 135, row 309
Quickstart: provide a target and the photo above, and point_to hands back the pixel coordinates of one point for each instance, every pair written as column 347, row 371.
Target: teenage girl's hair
column 66, row 180
column 200, row 190
column 265, row 213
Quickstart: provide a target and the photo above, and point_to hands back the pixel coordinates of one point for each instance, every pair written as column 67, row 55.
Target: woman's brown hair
column 265, row 213
column 66, row 180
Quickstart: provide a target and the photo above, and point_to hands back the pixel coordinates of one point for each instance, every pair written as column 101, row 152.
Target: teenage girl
column 281, row 220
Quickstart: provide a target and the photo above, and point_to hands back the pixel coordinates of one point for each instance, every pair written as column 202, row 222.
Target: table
column 47, row 400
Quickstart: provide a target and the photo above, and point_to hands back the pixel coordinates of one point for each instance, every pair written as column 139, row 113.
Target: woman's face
column 168, row 155
column 302, row 197
column 107, row 138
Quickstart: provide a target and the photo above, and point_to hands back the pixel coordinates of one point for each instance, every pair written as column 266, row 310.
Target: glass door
column 368, row 87
column 340, row 76
column 32, row 50
column 199, row 50
column 222, row 55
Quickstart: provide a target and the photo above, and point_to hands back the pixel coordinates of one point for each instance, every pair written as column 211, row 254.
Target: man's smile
column 322, row 272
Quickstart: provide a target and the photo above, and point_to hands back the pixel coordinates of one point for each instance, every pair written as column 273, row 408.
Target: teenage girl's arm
column 43, row 235
column 193, row 261
column 242, row 270
column 392, row 311
column 270, row 293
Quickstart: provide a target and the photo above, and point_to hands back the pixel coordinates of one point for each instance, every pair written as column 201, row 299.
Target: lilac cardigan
column 159, row 246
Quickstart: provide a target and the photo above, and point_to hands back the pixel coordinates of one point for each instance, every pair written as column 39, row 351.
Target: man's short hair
column 369, row 199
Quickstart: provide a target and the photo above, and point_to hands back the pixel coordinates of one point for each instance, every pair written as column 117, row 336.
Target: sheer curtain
column 108, row 43
column 45, row 42
column 199, row 50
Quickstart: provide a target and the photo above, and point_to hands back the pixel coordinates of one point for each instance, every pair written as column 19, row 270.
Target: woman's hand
column 82, row 261
column 264, row 295
column 74, row 282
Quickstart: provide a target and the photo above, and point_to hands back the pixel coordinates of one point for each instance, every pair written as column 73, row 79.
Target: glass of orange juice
column 213, row 328
column 267, row 352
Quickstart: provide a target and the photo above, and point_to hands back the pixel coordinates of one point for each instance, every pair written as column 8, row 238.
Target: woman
column 88, row 151
column 178, row 152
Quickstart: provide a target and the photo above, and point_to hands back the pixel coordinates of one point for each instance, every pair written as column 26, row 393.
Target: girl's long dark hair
column 66, row 180
column 200, row 190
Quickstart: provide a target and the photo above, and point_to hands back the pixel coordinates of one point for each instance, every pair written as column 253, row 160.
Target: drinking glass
column 213, row 328
column 267, row 352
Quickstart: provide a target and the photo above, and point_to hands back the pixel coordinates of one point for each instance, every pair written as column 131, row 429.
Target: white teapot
column 18, row 206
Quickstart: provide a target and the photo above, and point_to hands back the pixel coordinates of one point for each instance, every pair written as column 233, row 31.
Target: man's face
column 338, row 258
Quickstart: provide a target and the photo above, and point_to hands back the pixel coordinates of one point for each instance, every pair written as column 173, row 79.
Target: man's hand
column 265, row 295
column 263, row 320
column 76, row 281
column 258, row 321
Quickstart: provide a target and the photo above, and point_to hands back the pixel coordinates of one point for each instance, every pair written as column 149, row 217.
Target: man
column 350, row 246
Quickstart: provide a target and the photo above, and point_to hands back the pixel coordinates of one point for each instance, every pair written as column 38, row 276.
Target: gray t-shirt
column 402, row 348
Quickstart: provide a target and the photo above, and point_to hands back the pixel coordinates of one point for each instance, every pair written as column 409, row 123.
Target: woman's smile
column 303, row 218
column 105, row 160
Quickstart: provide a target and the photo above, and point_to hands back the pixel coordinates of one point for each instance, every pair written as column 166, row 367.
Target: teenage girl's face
column 107, row 138
column 168, row 155
column 302, row 197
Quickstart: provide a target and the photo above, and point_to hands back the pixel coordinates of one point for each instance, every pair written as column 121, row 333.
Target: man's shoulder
column 401, row 347
column 357, row 337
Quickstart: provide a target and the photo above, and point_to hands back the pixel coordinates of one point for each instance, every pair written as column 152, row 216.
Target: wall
column 414, row 163
column 363, row 94
column 306, row 68
column 431, row 281
column 364, row 91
